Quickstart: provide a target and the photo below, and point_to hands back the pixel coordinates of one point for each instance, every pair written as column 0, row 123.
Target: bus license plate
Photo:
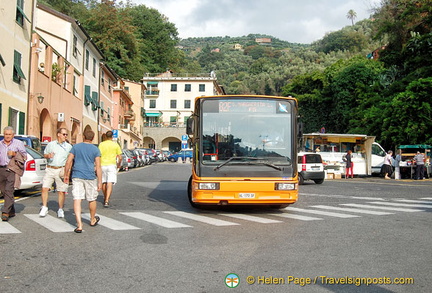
column 246, row 195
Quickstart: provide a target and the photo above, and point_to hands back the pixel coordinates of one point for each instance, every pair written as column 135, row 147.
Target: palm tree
column 351, row 15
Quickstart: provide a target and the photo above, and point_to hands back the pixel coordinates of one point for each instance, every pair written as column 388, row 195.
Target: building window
column 87, row 57
column 152, row 104
column 173, row 104
column 75, row 46
column 94, row 67
column 75, row 82
column 20, row 15
column 187, row 104
column 103, row 78
column 18, row 74
column 173, row 87
column 187, row 87
column 202, row 87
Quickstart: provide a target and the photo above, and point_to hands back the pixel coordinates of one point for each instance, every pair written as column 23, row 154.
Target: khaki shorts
column 54, row 175
column 84, row 189
column 109, row 174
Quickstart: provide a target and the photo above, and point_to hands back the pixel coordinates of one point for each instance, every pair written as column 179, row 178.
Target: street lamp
column 40, row 98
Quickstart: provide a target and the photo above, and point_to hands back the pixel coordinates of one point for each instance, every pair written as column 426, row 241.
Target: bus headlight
column 285, row 186
column 208, row 186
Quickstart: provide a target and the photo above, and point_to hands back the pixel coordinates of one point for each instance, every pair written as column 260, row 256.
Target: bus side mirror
column 190, row 126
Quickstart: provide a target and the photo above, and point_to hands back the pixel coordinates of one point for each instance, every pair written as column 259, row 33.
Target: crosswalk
column 183, row 219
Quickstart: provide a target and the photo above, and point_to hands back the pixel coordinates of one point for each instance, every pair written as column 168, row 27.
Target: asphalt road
column 338, row 237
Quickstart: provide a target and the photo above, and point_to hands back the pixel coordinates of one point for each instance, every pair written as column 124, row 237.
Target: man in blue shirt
column 84, row 162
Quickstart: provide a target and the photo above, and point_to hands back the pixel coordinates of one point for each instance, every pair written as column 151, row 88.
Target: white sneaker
column 43, row 211
column 60, row 213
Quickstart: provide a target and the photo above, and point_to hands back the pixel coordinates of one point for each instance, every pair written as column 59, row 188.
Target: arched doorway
column 46, row 127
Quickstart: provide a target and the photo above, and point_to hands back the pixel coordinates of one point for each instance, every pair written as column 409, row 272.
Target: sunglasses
column 64, row 134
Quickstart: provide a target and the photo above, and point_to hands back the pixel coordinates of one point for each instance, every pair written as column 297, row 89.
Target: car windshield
column 257, row 131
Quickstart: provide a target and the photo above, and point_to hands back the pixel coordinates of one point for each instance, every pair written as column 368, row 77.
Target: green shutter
column 94, row 101
column 87, row 97
column 22, row 13
column 21, row 123
column 17, row 65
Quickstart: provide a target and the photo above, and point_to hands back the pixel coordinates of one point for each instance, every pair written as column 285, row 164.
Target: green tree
column 158, row 38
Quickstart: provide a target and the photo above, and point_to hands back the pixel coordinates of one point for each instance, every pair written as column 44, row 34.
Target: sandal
column 97, row 221
column 5, row 217
column 77, row 230
column 106, row 204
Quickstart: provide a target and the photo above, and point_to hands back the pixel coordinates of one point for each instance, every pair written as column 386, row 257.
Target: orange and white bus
column 245, row 151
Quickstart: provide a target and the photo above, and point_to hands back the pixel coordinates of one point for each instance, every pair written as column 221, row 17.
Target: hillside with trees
column 371, row 77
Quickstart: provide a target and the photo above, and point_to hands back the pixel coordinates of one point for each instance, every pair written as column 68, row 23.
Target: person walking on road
column 110, row 161
column 12, row 152
column 387, row 168
column 84, row 162
column 420, row 162
column 56, row 153
column 398, row 159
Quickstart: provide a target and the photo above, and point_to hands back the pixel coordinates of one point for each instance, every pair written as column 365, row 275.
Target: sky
column 302, row 21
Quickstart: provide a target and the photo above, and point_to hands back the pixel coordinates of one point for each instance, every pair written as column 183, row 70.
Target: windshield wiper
column 251, row 163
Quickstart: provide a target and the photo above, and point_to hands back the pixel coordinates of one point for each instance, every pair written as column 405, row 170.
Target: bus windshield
column 246, row 131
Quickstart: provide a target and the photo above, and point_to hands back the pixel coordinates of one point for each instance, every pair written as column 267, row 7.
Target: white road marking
column 368, row 198
column 360, row 211
column 203, row 219
column 297, row 217
column 252, row 218
column 382, row 208
column 51, row 223
column 111, row 223
column 331, row 214
column 155, row 220
column 414, row 201
column 404, row 205
column 6, row 228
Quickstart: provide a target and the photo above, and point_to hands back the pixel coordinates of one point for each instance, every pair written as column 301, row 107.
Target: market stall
column 407, row 164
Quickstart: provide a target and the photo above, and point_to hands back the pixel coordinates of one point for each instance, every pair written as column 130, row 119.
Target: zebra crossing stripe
column 155, row 220
column 368, row 198
column 51, row 223
column 427, row 206
column 331, row 214
column 203, row 219
column 297, row 217
column 360, row 211
column 6, row 228
column 381, row 208
column 111, row 223
column 414, row 201
column 426, row 198
column 252, row 218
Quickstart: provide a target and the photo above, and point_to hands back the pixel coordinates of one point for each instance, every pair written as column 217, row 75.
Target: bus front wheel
column 194, row 205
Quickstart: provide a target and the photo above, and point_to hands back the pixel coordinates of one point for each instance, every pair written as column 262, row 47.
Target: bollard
column 180, row 160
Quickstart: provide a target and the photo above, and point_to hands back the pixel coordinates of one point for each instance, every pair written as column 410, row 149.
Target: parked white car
column 34, row 170
column 310, row 167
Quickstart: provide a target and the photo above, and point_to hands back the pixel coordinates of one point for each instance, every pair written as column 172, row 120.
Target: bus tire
column 194, row 205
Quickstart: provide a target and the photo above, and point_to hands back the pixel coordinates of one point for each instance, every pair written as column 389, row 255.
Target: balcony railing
column 152, row 93
column 165, row 124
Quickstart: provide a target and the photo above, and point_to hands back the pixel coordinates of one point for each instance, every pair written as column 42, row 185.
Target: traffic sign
column 115, row 133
